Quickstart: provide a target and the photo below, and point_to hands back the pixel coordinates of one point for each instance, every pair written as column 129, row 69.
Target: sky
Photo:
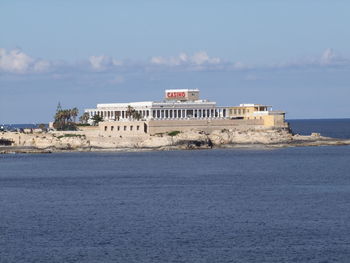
column 294, row 55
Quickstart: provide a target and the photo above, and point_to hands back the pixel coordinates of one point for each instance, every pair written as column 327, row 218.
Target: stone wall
column 162, row 126
column 129, row 128
column 152, row 127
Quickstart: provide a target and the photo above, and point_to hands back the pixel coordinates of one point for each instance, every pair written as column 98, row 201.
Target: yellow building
column 258, row 112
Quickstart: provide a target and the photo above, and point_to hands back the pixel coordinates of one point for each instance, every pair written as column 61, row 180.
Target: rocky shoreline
column 93, row 141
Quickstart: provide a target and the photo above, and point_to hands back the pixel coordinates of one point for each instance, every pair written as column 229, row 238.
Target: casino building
column 182, row 109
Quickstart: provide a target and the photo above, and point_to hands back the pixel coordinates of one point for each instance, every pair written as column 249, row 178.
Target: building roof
column 182, row 90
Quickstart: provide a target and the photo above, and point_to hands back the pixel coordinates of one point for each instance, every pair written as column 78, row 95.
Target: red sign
column 177, row 94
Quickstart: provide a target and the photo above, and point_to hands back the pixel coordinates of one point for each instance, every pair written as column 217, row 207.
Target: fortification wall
column 162, row 126
column 151, row 127
column 274, row 121
column 120, row 128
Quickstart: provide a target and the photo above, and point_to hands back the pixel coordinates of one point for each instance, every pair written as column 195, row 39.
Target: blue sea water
column 336, row 128
column 233, row 205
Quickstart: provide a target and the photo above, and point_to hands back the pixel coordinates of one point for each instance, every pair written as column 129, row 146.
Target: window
column 131, row 127
column 112, row 128
column 118, row 128
column 124, row 128
column 137, row 127
column 105, row 128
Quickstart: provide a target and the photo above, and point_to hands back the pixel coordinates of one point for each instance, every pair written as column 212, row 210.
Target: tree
column 84, row 118
column 96, row 119
column 74, row 113
column 63, row 118
column 136, row 115
column 59, row 107
column 131, row 113
column 42, row 126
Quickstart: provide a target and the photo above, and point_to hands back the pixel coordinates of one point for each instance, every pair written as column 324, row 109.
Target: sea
column 221, row 205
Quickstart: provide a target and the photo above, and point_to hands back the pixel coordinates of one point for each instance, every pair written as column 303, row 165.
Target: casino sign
column 175, row 95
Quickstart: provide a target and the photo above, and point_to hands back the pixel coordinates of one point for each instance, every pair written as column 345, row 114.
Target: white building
column 178, row 104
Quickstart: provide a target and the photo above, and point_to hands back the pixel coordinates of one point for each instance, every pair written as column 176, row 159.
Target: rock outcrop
column 93, row 140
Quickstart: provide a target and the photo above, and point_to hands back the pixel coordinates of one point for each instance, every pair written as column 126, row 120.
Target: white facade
column 184, row 108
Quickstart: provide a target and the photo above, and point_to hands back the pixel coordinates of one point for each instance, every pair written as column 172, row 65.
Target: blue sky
column 294, row 55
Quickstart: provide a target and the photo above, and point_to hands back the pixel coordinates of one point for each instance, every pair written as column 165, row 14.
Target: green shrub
column 6, row 142
column 71, row 135
column 173, row 133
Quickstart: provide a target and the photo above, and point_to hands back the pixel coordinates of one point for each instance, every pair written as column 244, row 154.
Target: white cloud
column 331, row 58
column 16, row 61
column 42, row 66
column 103, row 62
column 159, row 60
column 198, row 58
column 98, row 62
column 327, row 56
column 117, row 62
column 202, row 57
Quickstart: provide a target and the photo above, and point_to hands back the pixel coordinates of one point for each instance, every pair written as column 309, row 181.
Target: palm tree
column 136, row 115
column 84, row 118
column 63, row 118
column 74, row 113
column 129, row 111
column 132, row 113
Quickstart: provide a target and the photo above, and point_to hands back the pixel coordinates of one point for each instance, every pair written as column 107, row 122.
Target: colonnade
column 116, row 115
column 162, row 113
column 188, row 113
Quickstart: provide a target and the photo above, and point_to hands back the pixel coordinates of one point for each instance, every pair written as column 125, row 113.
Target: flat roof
column 252, row 105
column 181, row 90
column 126, row 104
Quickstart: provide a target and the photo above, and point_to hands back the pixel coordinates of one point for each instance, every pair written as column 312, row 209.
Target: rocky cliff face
column 94, row 140
column 188, row 140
